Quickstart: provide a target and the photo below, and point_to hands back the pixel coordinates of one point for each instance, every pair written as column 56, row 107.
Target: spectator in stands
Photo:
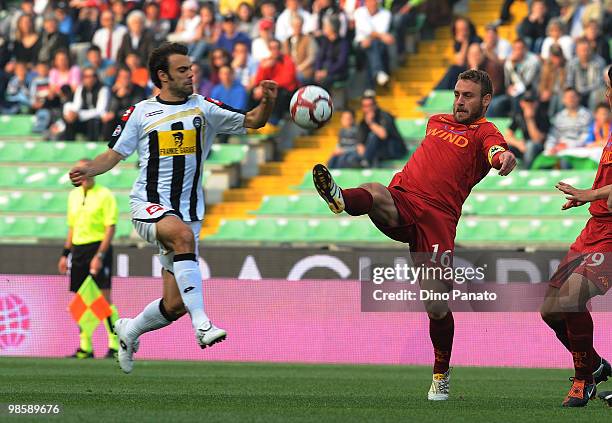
column 331, row 64
column 138, row 40
column 228, row 90
column 403, row 14
column 51, row 40
column 27, row 42
column 570, row 127
column 599, row 94
column 110, row 36
column 532, row 120
column 198, row 79
column 86, row 24
column 556, row 36
column 328, row 9
column 187, row 25
column 244, row 66
column 476, row 59
column 39, row 92
column 302, row 48
column 600, row 130
column 140, row 73
column 17, row 91
column 11, row 25
column 606, row 24
column 169, row 10
column 217, row 58
column 119, row 10
column 533, row 28
column 158, row 27
column 377, row 131
column 229, row 35
column 103, row 67
column 584, row 71
column 84, row 113
column 124, row 94
column 259, row 48
column 577, row 13
column 464, row 35
column 65, row 22
column 599, row 43
column 283, row 23
column 372, row 36
column 245, row 23
column 552, row 81
column 495, row 47
column 280, row 68
column 267, row 11
column 349, row 151
column 63, row 73
column 521, row 73
column 207, row 33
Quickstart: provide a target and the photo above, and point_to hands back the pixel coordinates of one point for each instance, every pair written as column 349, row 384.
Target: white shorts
column 146, row 215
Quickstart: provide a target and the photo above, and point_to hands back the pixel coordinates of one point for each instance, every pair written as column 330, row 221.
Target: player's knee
column 172, row 309
column 436, row 310
column 571, row 303
column 184, row 241
column 437, row 315
column 376, row 190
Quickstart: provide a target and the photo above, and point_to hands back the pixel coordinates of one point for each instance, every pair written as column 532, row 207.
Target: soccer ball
column 311, row 107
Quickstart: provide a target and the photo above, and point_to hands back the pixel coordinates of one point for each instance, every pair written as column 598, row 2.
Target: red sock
column 357, row 201
column 441, row 333
column 560, row 329
column 580, row 334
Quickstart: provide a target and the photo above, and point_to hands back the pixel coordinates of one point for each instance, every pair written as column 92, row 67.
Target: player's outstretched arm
column 102, row 163
column 258, row 117
column 578, row 197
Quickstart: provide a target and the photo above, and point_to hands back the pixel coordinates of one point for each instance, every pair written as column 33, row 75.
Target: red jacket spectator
column 279, row 68
column 169, row 9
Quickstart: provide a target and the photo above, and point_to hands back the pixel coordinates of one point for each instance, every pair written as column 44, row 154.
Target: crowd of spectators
column 77, row 64
column 550, row 79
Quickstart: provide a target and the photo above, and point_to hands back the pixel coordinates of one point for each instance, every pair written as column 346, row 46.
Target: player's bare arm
column 258, row 117
column 101, row 164
column 578, row 197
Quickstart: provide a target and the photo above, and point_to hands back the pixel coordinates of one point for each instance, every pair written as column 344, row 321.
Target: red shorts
column 590, row 256
column 426, row 228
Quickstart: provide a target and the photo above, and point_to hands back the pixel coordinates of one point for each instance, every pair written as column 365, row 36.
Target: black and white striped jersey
column 172, row 139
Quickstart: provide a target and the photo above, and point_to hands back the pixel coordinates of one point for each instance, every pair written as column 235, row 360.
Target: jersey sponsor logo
column 177, row 143
column 153, row 113
column 154, row 208
column 493, row 151
column 127, row 114
column 117, row 131
column 457, row 139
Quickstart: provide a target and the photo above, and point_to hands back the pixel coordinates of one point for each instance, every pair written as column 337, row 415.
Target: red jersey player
column 586, row 271
column 422, row 204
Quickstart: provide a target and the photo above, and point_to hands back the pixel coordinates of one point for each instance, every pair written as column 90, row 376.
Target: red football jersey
column 599, row 208
column 452, row 158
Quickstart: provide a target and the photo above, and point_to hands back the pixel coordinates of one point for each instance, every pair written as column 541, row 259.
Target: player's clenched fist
column 269, row 90
column 507, row 161
column 77, row 174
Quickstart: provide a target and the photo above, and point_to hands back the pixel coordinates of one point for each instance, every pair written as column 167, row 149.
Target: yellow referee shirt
column 89, row 215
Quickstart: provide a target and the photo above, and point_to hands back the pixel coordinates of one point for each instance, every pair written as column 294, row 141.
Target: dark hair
column 471, row 27
column 601, row 106
column 519, row 40
column 479, row 77
column 572, row 89
column 582, row 40
column 610, row 75
column 94, row 47
column 158, row 61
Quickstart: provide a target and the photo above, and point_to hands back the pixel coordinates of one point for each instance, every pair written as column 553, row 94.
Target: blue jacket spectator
column 229, row 91
column 230, row 36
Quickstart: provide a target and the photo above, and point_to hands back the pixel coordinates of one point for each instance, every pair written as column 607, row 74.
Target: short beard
column 180, row 90
column 473, row 117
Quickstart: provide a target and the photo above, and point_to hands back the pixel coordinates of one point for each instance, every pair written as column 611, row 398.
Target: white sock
column 149, row 319
column 189, row 281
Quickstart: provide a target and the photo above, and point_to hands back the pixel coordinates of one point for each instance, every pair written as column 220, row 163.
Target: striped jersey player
column 172, row 134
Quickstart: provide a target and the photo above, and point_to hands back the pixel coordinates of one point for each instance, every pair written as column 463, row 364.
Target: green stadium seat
column 118, row 178
column 232, row 229
column 225, row 154
column 12, row 151
column 274, row 204
column 16, row 125
column 411, row 129
column 470, row 229
column 501, row 123
column 439, row 101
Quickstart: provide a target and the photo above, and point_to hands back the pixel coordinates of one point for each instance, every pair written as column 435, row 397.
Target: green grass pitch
column 96, row 390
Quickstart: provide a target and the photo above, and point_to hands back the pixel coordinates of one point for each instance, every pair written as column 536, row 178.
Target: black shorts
column 81, row 257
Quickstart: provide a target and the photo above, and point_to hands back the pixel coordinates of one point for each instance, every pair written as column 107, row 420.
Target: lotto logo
column 14, row 320
column 152, row 209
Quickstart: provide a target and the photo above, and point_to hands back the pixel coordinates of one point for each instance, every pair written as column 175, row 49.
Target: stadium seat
column 439, row 101
column 411, row 129
column 16, row 125
column 225, row 154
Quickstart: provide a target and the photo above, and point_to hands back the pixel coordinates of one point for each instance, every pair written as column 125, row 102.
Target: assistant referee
column 92, row 216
